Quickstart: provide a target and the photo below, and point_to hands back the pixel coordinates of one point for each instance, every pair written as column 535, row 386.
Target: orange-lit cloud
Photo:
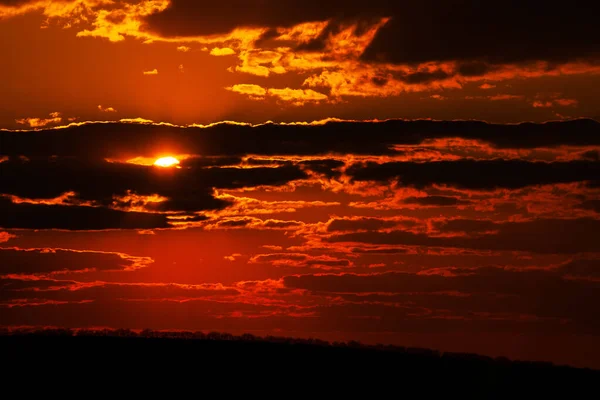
column 556, row 102
column 298, row 96
column 39, row 262
column 501, row 97
column 298, row 260
column 5, row 237
column 295, row 96
column 253, row 91
column 251, row 223
column 55, row 118
column 225, row 51
column 64, row 199
column 151, row 72
column 106, row 109
column 252, row 206
column 134, row 202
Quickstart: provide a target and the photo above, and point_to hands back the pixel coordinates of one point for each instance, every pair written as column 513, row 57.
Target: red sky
column 430, row 177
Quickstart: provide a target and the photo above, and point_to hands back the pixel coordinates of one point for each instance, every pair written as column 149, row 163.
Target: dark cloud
column 34, row 216
column 468, row 226
column 363, row 224
column 191, row 18
column 482, row 280
column 124, row 141
column 273, row 224
column 582, row 268
column 551, row 236
column 200, row 162
column 473, row 68
column 381, row 251
column 593, row 205
column 509, row 31
column 498, row 32
column 44, row 261
column 593, row 155
column 329, row 168
column 472, row 174
column 439, row 201
column 16, row 285
column 187, row 189
column 235, row 223
column 68, row 291
column 423, row 77
column 541, row 293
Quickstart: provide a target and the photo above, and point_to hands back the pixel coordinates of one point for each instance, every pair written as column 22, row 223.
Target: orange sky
column 446, row 194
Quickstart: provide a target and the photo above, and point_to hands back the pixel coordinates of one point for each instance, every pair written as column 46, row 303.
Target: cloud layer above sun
column 311, row 61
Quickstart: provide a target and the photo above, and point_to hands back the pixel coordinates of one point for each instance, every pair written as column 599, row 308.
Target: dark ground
column 198, row 364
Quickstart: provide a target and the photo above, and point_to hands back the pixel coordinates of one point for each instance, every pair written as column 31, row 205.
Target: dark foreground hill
column 197, row 361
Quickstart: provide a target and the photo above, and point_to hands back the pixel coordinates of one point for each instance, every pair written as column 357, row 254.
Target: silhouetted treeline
column 308, row 364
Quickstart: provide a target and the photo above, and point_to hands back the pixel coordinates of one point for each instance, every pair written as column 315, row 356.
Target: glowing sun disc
column 166, row 162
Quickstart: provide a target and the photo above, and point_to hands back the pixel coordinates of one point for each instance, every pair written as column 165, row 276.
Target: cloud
column 296, row 96
column 493, row 32
column 544, row 236
column 555, row 103
column 510, row 174
column 184, row 49
column 75, row 218
column 106, row 109
column 502, row 97
column 438, row 97
column 298, row 260
column 24, row 293
column 187, row 18
column 252, row 223
column 17, row 261
column 581, row 269
column 118, row 140
column 232, row 257
column 593, row 155
column 55, row 118
column 436, row 201
column 485, row 291
column 224, row 51
column 189, row 189
column 253, row 91
column 251, row 206
column 591, row 205
column 152, row 72
column 354, row 53
column 46, row 172
column 5, row 237
column 367, row 224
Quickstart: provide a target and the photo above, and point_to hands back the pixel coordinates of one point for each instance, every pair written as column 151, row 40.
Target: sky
column 416, row 173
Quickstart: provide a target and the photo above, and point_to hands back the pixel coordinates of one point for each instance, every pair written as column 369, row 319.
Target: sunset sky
column 420, row 173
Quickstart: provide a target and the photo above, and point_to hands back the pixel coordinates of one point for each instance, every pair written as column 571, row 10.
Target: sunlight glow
column 166, row 162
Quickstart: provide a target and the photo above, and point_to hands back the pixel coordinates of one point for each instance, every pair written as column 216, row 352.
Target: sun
column 166, row 162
